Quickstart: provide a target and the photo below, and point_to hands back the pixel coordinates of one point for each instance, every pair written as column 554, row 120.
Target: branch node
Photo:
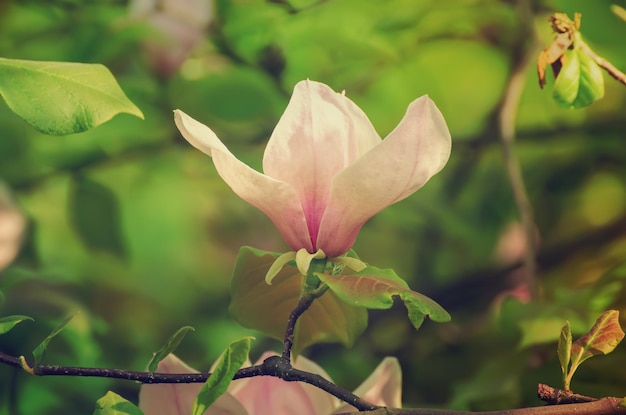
column 27, row 368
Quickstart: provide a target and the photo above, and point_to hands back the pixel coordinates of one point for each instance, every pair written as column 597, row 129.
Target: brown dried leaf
column 553, row 54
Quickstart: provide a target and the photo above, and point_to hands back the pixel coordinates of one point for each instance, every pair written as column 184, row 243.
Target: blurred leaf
column 94, row 212
column 114, row 404
column 580, row 81
column 171, row 345
column 7, row 323
column 259, row 306
column 496, row 384
column 233, row 358
column 41, row 349
column 375, row 288
column 603, row 338
column 621, row 13
column 564, row 347
column 60, row 98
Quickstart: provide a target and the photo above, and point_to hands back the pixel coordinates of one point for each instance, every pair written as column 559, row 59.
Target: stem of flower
column 306, row 299
column 311, row 289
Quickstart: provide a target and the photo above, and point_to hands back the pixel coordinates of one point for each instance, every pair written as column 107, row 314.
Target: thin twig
column 604, row 64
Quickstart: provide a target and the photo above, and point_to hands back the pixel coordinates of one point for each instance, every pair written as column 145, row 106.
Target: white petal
column 418, row 148
column 276, row 199
column 383, row 387
column 178, row 399
column 320, row 133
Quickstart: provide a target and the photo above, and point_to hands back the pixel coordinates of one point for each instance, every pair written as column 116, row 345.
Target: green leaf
column 232, row 359
column 41, row 349
column 580, row 81
column 266, row 308
column 169, row 346
column 603, row 338
column 375, row 288
column 95, row 214
column 564, row 348
column 60, row 98
column 7, row 323
column 114, row 404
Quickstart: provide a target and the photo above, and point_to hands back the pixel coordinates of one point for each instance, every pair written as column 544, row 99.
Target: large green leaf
column 62, row 97
column 259, row 306
column 580, row 81
column 232, row 359
column 375, row 288
column 8, row 322
column 114, row 404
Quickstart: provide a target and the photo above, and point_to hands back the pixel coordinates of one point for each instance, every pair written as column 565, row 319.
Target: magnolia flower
column 179, row 26
column 326, row 170
column 266, row 395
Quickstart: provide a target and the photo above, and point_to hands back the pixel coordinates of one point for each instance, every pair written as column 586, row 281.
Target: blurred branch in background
column 522, row 54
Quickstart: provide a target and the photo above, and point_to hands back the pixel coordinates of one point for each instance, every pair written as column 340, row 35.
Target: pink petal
column 320, row 134
column 275, row 198
column 418, row 148
column 383, row 387
column 178, row 399
column 266, row 395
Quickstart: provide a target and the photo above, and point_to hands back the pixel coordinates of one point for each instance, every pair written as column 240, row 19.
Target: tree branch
column 604, row 406
column 275, row 366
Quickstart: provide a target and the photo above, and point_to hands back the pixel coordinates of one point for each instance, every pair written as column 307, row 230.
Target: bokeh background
column 133, row 228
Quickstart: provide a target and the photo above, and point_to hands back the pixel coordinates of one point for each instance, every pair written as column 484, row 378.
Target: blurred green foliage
column 135, row 230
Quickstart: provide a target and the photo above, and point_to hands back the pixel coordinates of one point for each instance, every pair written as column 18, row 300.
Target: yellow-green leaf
column 8, row 322
column 232, row 359
column 114, row 404
column 60, row 98
column 564, row 347
column 580, row 81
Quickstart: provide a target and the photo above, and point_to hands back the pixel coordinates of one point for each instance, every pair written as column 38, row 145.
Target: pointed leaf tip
column 41, row 348
column 172, row 343
column 564, row 348
column 7, row 323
